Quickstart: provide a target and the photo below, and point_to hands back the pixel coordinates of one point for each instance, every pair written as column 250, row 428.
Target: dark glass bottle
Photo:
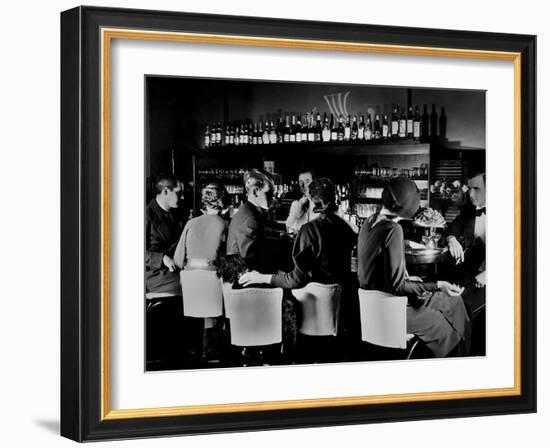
column 403, row 125
column 394, row 124
column 433, row 122
column 425, row 126
column 333, row 129
column 325, row 135
column 368, row 129
column 292, row 132
column 298, row 129
column 207, row 137
column 385, row 127
column 410, row 119
column 361, row 128
column 286, row 130
column 377, row 131
column 443, row 124
column 341, row 129
column 354, row 129
column 318, row 128
column 416, row 124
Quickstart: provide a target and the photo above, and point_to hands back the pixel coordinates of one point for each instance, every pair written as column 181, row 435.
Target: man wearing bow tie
column 466, row 237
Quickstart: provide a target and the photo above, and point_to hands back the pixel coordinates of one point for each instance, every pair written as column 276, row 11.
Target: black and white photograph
column 304, row 223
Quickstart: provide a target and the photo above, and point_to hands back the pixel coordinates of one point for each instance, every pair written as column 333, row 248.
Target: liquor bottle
column 425, row 126
column 410, row 131
column 368, row 129
column 318, row 128
column 207, row 137
column 298, row 129
column 347, row 130
column 325, row 135
column 226, row 136
column 286, row 131
column 311, row 128
column 231, row 135
column 237, row 136
column 244, row 134
column 361, row 129
column 377, row 131
column 305, row 128
column 292, row 131
column 403, row 125
column 272, row 134
column 394, row 124
column 333, row 129
column 433, row 122
column 354, row 129
column 385, row 127
column 341, row 129
column 443, row 124
column 265, row 134
column 251, row 131
column 260, row 134
column 254, row 135
column 416, row 124
column 279, row 131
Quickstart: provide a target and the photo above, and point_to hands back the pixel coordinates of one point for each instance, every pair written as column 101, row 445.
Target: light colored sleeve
column 294, row 215
column 180, row 253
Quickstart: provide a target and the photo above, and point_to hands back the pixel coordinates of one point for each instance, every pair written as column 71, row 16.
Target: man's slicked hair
column 256, row 178
column 165, row 180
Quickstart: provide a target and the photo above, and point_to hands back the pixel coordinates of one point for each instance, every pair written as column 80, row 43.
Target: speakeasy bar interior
column 299, row 223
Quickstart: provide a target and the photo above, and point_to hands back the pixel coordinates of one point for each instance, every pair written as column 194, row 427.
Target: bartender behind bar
column 302, row 210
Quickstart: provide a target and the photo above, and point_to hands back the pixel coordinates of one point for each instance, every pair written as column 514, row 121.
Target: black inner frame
column 81, row 223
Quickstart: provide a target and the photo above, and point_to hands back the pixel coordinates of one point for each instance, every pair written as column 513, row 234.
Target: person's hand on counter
column 254, row 278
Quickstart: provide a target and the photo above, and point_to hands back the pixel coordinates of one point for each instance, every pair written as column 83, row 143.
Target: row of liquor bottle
column 415, row 173
column 310, row 128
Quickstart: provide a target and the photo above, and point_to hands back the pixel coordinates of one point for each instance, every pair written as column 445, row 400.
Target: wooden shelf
column 334, row 149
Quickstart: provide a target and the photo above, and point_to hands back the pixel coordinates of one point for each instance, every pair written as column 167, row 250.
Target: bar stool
column 318, row 322
column 163, row 335
column 202, row 298
column 320, row 305
column 255, row 316
column 384, row 321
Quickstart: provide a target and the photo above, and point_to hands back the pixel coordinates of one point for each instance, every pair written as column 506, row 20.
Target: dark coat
column 246, row 237
column 321, row 253
column 162, row 233
column 462, row 228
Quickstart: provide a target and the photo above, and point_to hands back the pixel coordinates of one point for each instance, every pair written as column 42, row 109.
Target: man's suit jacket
column 246, row 237
column 163, row 230
column 463, row 228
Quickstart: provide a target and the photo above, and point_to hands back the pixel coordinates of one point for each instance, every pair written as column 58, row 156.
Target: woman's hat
column 401, row 196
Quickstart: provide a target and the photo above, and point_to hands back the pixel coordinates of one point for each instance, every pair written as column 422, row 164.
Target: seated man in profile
column 247, row 230
column 466, row 237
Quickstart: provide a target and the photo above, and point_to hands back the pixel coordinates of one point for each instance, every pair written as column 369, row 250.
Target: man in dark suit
column 164, row 317
column 163, row 230
column 246, row 236
column 466, row 237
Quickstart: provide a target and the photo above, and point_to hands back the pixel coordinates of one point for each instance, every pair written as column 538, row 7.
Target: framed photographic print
column 275, row 224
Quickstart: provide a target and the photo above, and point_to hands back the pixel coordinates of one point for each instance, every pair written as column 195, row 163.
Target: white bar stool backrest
column 226, row 290
column 320, row 308
column 202, row 293
column 256, row 316
column 383, row 318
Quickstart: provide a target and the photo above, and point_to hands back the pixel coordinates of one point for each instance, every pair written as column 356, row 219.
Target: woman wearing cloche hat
column 435, row 310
